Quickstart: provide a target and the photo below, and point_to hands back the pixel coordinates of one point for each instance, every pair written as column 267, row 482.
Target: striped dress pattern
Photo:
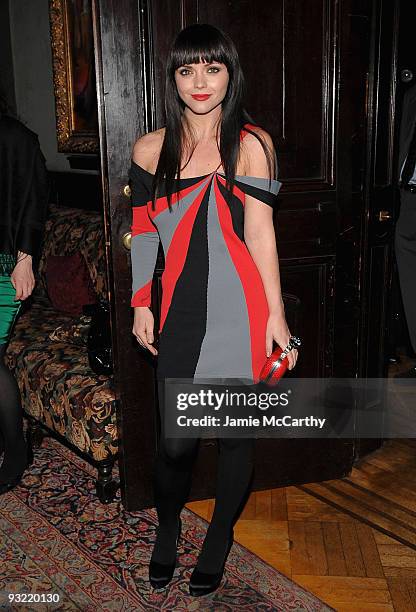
column 214, row 309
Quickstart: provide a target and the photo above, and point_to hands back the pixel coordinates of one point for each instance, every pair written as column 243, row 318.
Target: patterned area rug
column 59, row 542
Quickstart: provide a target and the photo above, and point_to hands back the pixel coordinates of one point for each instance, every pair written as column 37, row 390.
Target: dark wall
column 6, row 57
column 76, row 190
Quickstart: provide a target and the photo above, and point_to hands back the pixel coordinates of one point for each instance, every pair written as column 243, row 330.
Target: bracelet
column 22, row 258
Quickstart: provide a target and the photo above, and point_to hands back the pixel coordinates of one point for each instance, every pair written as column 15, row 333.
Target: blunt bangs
column 201, row 42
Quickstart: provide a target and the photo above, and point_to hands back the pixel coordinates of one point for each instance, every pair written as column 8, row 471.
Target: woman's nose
column 200, row 80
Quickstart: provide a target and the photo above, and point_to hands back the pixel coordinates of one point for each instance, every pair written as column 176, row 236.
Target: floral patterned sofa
column 48, row 353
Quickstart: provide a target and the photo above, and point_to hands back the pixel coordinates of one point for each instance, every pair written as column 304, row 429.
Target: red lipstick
column 201, row 97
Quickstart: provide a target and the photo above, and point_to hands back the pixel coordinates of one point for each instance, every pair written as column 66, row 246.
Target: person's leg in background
column 11, row 415
column 405, row 247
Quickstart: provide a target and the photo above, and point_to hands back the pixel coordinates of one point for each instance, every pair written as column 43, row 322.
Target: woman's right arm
column 144, row 247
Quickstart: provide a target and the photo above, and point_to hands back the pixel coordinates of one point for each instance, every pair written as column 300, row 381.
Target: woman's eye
column 186, row 71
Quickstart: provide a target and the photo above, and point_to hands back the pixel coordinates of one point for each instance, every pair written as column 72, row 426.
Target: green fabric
column 9, row 308
column 7, row 263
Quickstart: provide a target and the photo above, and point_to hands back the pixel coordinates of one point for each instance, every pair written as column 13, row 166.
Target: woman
column 222, row 306
column 23, row 200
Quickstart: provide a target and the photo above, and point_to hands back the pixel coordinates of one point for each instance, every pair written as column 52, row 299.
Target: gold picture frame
column 74, row 76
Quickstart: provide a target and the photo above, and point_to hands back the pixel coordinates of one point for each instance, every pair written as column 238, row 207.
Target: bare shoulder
column 255, row 160
column 251, row 144
column 147, row 148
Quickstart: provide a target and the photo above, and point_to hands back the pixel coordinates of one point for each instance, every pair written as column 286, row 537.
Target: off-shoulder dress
column 214, row 309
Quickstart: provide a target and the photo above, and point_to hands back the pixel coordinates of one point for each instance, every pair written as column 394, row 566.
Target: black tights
column 172, row 480
column 11, row 423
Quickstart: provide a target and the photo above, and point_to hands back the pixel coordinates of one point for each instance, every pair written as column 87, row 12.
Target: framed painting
column 74, row 75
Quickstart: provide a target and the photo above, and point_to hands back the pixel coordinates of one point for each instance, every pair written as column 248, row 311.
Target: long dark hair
column 193, row 44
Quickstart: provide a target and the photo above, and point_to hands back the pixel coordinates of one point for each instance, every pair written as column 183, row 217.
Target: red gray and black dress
column 214, row 309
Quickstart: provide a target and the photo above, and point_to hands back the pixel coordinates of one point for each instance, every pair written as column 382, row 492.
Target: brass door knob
column 384, row 215
column 127, row 191
column 126, row 240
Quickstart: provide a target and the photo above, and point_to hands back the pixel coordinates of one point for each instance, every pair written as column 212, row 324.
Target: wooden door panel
column 289, row 69
column 306, row 227
column 313, row 284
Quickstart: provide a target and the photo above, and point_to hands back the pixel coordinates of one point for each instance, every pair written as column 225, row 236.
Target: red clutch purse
column 276, row 365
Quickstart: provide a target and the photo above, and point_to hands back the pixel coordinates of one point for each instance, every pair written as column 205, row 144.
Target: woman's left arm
column 31, row 225
column 260, row 239
column 22, row 277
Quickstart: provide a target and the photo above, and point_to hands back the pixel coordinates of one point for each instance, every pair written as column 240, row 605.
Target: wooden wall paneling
column 162, row 32
column 306, row 227
column 295, row 76
column 166, row 19
column 312, row 282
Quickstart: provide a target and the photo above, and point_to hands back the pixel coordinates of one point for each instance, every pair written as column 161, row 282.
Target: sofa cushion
column 67, row 231
column 68, row 283
column 57, row 385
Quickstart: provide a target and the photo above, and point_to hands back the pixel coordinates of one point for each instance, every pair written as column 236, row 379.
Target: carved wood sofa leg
column 106, row 485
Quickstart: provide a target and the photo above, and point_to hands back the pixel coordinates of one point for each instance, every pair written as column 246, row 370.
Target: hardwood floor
column 350, row 541
column 378, row 495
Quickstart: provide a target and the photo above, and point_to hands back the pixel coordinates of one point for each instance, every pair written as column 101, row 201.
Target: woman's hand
column 278, row 330
column 22, row 278
column 143, row 327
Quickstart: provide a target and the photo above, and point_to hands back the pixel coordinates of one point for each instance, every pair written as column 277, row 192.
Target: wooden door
column 314, row 64
column 378, row 185
column 122, row 115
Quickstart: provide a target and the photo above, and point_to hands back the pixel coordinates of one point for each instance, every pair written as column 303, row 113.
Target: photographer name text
column 250, row 421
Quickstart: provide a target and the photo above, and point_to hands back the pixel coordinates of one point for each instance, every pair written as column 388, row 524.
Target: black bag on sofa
column 99, row 338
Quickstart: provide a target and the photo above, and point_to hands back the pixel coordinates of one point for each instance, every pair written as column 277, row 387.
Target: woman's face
column 203, row 86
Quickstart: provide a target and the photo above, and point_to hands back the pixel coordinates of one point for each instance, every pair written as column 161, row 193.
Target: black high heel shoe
column 202, row 583
column 10, row 484
column 160, row 574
